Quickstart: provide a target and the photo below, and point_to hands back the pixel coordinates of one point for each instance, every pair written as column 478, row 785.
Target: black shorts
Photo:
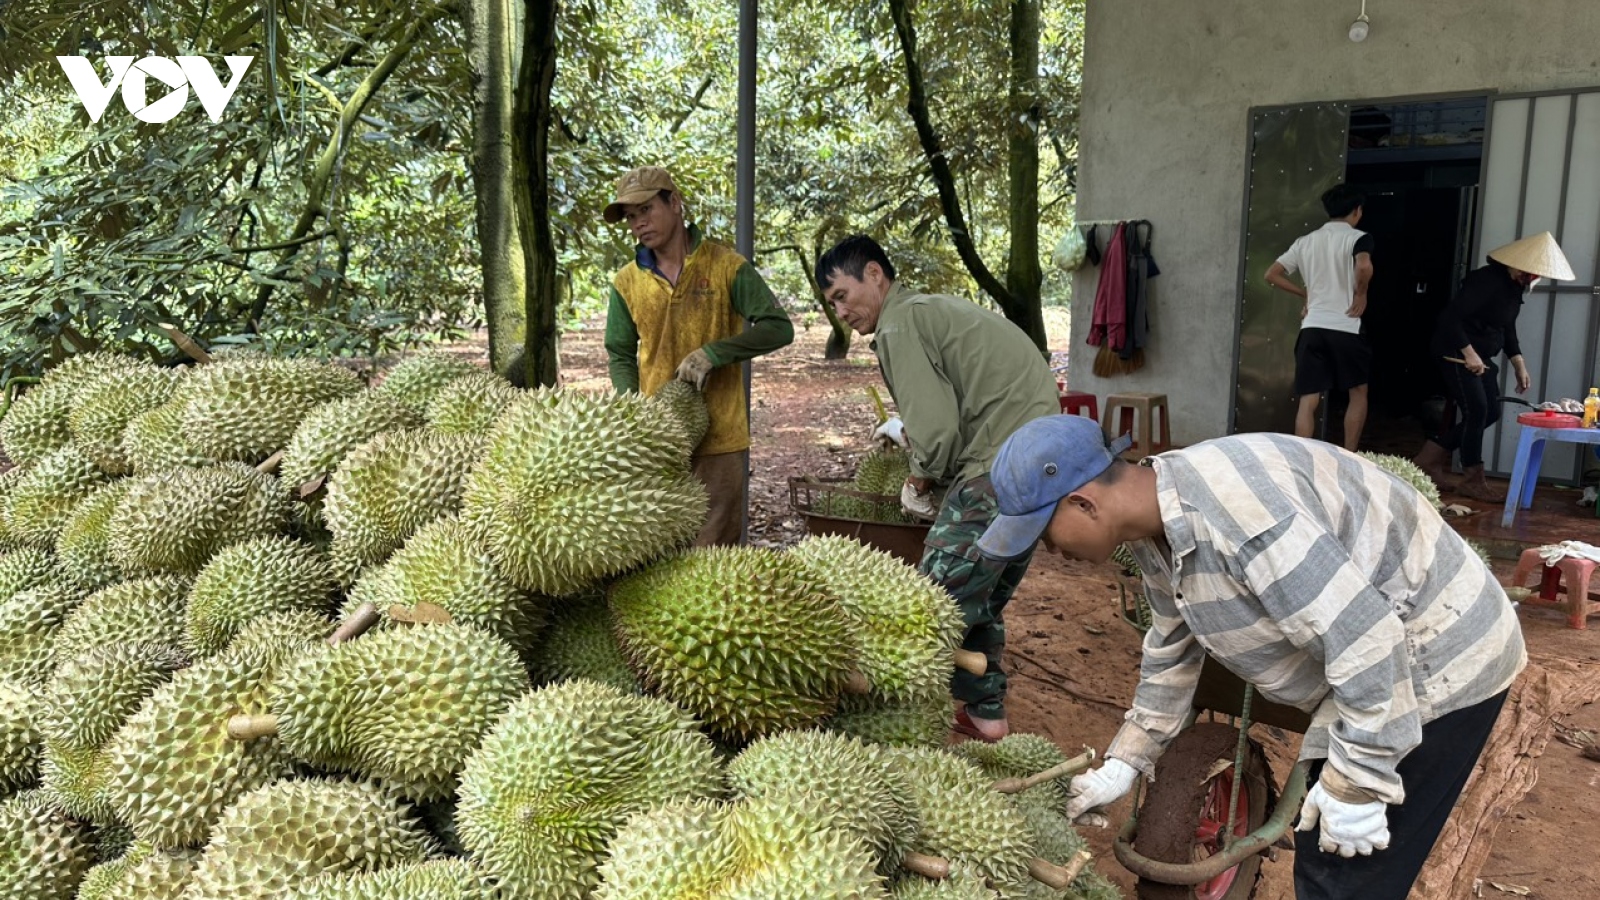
column 1326, row 360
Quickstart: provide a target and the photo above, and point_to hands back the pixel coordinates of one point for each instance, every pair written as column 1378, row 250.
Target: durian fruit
column 335, row 428
column 112, row 842
column 964, row 820
column 88, row 698
column 36, row 424
column 444, row 879
column 405, row 706
column 770, row 848
column 175, row 521
column 29, row 624
column 245, row 408
column 153, row 442
column 883, row 471
column 471, row 403
column 1407, row 471
column 444, row 565
column 84, row 544
column 957, row 887
column 389, row 487
column 922, row 722
column 143, row 873
column 8, row 478
column 580, row 643
column 417, row 379
column 19, row 737
column 856, row 787
column 25, row 568
column 174, row 768
column 144, row 610
column 38, row 504
column 43, row 854
column 565, row 766
column 108, row 402
column 574, row 489
column 280, row 836
column 249, row 579
column 297, row 626
column 742, row 637
column 685, row 411
column 1055, row 838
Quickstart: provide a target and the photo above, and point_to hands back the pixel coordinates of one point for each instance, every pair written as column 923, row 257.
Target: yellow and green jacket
column 652, row 325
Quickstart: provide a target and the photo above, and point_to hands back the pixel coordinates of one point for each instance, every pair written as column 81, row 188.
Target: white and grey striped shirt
column 1330, row 585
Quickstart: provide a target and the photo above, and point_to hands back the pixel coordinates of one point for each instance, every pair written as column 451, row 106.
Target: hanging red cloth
column 1109, row 326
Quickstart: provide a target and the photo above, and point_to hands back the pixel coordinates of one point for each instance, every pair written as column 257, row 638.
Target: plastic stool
column 1124, row 411
column 1577, row 573
column 1080, row 403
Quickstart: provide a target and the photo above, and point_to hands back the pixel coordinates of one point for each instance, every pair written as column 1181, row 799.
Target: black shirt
column 1483, row 313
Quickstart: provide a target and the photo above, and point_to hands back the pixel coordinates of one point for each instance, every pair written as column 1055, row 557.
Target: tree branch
column 694, row 104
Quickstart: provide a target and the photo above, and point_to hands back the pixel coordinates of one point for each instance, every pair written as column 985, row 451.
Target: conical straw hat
column 1539, row 254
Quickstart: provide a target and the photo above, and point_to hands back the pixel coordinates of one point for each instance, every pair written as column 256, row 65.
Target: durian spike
column 972, row 661
column 249, row 728
column 1051, row 875
column 936, row 868
column 185, row 343
column 270, row 464
column 365, row 616
column 856, row 683
column 1071, row 767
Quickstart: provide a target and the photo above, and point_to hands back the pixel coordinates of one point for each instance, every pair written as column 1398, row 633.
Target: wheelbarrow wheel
column 1184, row 817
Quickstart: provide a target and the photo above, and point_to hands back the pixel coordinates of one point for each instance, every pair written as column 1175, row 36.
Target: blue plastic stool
column 1530, row 456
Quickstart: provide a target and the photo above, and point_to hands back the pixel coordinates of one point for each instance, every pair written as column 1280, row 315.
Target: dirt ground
column 1074, row 663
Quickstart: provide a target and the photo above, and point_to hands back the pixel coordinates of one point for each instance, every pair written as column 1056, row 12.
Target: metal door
column 1296, row 153
column 1542, row 173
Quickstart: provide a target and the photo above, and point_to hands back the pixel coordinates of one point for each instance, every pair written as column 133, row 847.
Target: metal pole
column 744, row 239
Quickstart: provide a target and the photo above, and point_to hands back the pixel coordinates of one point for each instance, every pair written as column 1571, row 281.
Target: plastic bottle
column 1591, row 408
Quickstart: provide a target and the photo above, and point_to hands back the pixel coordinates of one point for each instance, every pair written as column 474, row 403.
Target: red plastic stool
column 1577, row 572
column 1080, row 403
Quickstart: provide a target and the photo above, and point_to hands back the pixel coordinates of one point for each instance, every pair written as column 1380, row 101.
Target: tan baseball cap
column 1538, row 254
column 638, row 186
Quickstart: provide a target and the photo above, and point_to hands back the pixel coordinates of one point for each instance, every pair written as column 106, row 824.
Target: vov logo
column 132, row 76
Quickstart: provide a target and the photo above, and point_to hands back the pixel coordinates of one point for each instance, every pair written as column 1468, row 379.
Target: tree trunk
column 535, row 77
column 1024, row 277
column 492, row 39
column 839, row 334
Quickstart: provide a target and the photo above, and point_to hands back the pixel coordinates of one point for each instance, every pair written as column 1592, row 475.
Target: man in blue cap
column 1326, row 582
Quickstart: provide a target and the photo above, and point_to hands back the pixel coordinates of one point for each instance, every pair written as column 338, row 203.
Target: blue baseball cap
column 1040, row 463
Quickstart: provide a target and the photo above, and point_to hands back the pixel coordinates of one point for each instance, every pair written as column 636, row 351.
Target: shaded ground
column 1072, row 660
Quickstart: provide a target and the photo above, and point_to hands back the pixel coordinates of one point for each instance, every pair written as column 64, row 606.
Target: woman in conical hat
column 1477, row 326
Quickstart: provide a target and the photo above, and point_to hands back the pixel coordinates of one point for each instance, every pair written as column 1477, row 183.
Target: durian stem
column 185, row 343
column 1071, row 767
column 877, row 403
column 365, row 616
column 934, row 867
column 270, row 464
column 972, row 661
column 1076, row 864
column 249, row 728
column 856, row 683
column 1051, row 875
column 312, row 487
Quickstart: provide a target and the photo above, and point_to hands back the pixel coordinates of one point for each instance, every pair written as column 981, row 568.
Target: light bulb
column 1359, row 29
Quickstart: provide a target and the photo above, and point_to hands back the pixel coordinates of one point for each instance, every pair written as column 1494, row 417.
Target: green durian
column 567, row 764
column 742, row 637
column 967, row 822
column 444, row 879
column 29, row 624
column 250, row 579
column 153, row 442
column 471, row 403
column 581, row 643
column 25, row 568
column 176, row 520
column 38, row 504
column 1407, row 471
column 280, row 836
column 143, row 610
column 335, row 428
column 36, row 424
column 405, row 706
column 43, row 854
column 417, row 379
column 8, row 479
column 246, row 408
column 443, row 564
column 684, row 410
column 923, row 722
column 144, row 873
column 106, row 404
column 964, row 886
column 297, row 626
column 19, row 735
column 84, row 544
column 389, row 487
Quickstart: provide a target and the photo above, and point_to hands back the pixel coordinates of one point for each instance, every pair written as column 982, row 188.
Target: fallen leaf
column 1517, row 889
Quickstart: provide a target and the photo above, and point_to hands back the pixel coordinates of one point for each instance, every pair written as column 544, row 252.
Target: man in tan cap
column 1479, row 324
column 679, row 310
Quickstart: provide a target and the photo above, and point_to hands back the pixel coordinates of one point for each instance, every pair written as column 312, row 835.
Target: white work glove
column 695, row 369
column 1101, row 787
column 1347, row 828
column 892, row 432
column 918, row 503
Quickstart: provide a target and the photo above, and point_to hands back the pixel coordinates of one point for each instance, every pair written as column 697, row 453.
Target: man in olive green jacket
column 963, row 379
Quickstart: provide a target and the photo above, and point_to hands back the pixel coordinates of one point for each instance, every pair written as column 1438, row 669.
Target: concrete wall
column 1168, row 85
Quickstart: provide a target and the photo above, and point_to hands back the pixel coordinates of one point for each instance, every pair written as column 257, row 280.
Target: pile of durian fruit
column 266, row 632
column 879, row 475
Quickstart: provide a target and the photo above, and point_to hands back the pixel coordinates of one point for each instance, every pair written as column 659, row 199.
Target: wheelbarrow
column 1214, row 807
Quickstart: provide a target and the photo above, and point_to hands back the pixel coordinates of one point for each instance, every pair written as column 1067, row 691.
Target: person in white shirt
column 1335, row 261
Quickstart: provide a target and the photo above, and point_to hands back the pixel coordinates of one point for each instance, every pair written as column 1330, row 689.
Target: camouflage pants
column 981, row 587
